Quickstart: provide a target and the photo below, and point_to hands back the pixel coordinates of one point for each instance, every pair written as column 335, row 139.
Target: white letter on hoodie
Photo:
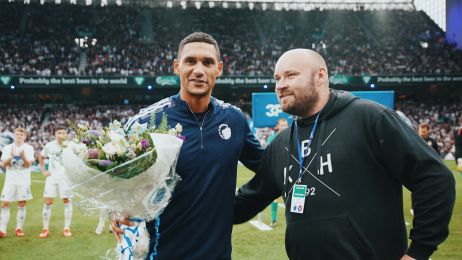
column 306, row 150
column 328, row 163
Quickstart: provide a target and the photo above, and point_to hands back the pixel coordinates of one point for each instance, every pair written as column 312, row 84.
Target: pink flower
column 93, row 154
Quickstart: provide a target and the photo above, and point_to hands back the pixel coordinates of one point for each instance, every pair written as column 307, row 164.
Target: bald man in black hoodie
column 340, row 169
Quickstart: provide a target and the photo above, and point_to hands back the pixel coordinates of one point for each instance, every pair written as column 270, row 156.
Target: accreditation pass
column 298, row 199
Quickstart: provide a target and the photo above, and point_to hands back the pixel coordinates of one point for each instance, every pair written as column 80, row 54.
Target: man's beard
column 304, row 104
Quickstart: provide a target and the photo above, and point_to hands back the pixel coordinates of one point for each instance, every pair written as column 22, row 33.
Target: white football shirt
column 17, row 174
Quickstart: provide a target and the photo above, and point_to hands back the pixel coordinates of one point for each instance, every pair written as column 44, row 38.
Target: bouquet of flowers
column 131, row 173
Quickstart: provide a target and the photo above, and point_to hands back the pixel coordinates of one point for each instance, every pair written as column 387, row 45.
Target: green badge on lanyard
column 298, row 199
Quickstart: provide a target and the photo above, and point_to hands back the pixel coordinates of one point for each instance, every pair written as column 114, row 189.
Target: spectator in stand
column 424, row 132
column 116, row 45
column 458, row 145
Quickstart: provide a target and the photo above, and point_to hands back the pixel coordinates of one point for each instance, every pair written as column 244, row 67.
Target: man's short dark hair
column 199, row 37
column 425, row 125
column 60, row 127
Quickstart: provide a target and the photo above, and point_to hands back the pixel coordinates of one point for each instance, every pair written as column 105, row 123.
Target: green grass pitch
column 248, row 242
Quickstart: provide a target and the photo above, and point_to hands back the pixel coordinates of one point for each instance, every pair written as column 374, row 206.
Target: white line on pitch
column 260, row 225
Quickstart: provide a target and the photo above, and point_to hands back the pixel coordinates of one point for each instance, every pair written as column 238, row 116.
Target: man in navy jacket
column 197, row 223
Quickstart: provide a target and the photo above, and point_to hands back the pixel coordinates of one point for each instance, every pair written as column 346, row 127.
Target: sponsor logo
column 139, row 80
column 5, row 80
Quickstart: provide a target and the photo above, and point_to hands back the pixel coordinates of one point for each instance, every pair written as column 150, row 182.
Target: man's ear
column 321, row 76
column 176, row 66
column 220, row 69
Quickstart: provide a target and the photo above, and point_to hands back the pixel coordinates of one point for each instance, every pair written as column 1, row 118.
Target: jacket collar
column 183, row 105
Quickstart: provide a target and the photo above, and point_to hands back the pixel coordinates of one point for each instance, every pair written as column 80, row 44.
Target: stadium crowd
column 29, row 117
column 41, row 40
column 49, row 40
column 442, row 118
column 40, row 120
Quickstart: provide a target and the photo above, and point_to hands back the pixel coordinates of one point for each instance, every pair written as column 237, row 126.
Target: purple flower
column 105, row 163
column 94, row 132
column 85, row 141
column 182, row 137
column 93, row 154
column 144, row 144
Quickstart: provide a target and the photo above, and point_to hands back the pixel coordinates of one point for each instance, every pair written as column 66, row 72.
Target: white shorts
column 16, row 193
column 52, row 188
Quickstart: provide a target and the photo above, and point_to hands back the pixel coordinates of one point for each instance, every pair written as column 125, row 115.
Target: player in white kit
column 55, row 182
column 17, row 159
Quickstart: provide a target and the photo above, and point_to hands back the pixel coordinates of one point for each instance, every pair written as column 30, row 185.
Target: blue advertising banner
column 386, row 98
column 266, row 109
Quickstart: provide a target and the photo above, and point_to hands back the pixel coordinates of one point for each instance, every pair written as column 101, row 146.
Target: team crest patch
column 224, row 131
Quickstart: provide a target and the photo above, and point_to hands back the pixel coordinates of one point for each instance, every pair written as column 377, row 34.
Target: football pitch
column 248, row 241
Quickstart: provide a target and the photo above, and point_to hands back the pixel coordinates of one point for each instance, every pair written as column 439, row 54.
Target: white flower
column 116, row 138
column 115, row 125
column 172, row 131
column 82, row 126
column 139, row 128
column 131, row 154
column 109, row 149
column 120, row 150
column 79, row 149
column 178, row 128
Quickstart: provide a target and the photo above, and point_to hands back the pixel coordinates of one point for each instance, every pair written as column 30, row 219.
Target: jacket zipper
column 199, row 125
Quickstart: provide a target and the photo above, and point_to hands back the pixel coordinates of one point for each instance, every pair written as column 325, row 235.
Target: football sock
column 20, row 217
column 46, row 213
column 4, row 219
column 67, row 215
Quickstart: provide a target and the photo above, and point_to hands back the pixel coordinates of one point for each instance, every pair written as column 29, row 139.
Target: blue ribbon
column 127, row 239
column 299, row 148
column 154, row 253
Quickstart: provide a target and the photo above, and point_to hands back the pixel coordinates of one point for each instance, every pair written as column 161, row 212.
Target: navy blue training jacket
column 197, row 223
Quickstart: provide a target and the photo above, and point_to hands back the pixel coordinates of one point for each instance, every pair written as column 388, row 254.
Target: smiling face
column 19, row 137
column 61, row 135
column 295, row 87
column 301, row 84
column 198, row 67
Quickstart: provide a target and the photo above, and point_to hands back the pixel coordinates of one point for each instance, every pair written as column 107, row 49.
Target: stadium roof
column 250, row 4
column 292, row 4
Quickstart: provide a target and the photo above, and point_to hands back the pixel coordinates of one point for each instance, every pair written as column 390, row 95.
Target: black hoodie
column 362, row 153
